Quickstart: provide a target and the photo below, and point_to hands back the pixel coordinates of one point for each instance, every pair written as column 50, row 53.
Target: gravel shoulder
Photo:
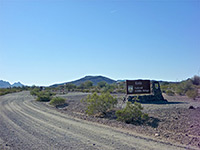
column 172, row 122
column 27, row 124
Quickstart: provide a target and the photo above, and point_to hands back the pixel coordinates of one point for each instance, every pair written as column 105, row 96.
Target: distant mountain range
column 93, row 79
column 5, row 84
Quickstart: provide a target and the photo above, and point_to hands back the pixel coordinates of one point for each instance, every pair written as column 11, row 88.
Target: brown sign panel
column 138, row 86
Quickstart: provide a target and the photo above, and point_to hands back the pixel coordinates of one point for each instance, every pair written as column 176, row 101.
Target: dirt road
column 27, row 124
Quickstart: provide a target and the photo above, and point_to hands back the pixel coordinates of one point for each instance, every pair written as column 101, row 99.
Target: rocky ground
column 177, row 121
column 26, row 124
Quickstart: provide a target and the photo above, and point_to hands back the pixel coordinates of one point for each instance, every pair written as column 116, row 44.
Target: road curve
column 27, row 124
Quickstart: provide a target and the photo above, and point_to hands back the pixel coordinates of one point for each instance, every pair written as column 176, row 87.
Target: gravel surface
column 171, row 122
column 27, row 124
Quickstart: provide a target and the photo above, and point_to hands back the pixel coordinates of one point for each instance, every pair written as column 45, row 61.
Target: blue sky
column 52, row 41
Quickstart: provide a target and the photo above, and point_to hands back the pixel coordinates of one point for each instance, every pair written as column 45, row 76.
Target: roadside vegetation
column 44, row 96
column 47, row 96
column 100, row 102
column 188, row 87
column 4, row 91
column 88, row 86
column 132, row 113
column 56, row 101
column 100, row 105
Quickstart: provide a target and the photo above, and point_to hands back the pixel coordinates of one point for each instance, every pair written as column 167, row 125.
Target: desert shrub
column 183, row 87
column 120, row 91
column 70, row 86
column 95, row 90
column 192, row 93
column 122, row 85
column 164, row 87
column 196, row 80
column 109, row 88
column 35, row 91
column 44, row 96
column 101, row 84
column 132, row 113
column 99, row 104
column 86, row 90
column 57, row 101
column 88, row 84
column 170, row 93
column 81, row 86
column 5, row 91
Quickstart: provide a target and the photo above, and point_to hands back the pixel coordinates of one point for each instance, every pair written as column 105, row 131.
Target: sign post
column 138, row 87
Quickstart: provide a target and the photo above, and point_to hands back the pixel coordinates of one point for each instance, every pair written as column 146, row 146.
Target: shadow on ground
column 153, row 122
column 62, row 106
column 163, row 102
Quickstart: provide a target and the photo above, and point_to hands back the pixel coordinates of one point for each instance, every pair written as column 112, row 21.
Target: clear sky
column 53, row 41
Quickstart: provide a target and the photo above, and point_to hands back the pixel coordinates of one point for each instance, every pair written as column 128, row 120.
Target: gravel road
column 27, row 124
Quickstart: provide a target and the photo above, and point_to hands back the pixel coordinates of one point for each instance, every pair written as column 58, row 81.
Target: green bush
column 170, row 93
column 108, row 88
column 70, row 86
column 57, row 101
column 44, row 96
column 5, row 91
column 132, row 113
column 192, row 93
column 101, row 84
column 120, row 91
column 99, row 104
column 35, row 91
column 183, row 87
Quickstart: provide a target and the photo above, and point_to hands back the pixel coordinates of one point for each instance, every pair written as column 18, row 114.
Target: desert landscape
column 177, row 121
column 28, row 124
column 99, row 74
column 44, row 115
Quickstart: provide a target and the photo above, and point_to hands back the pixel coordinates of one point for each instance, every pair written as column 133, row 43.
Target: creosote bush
column 4, row 91
column 35, row 91
column 57, row 101
column 99, row 104
column 132, row 113
column 170, row 93
column 44, row 96
column 192, row 93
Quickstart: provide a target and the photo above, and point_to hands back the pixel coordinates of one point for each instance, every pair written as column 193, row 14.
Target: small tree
column 132, row 113
column 99, row 103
